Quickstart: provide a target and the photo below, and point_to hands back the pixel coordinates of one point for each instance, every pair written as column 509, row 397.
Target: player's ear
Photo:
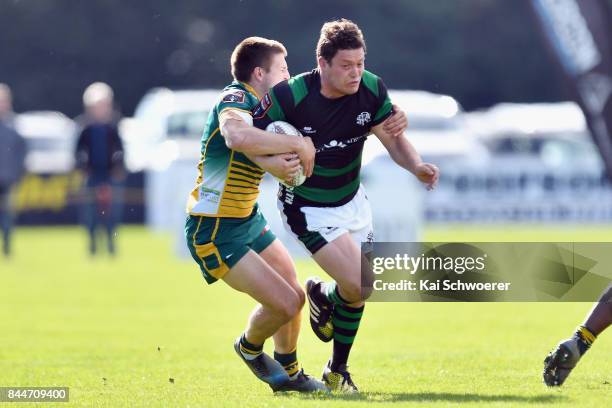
column 322, row 63
column 257, row 73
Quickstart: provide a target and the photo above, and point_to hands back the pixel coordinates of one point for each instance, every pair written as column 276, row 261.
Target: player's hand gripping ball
column 285, row 128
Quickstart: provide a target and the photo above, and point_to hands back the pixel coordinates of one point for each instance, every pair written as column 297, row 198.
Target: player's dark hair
column 339, row 35
column 251, row 53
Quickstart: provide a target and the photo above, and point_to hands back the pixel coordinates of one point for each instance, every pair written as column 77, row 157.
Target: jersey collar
column 248, row 87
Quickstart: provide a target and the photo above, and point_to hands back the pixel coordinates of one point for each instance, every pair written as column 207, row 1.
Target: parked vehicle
column 166, row 124
column 50, row 138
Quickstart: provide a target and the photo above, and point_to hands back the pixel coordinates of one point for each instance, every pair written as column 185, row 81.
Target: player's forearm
column 262, row 161
column 404, row 154
column 256, row 142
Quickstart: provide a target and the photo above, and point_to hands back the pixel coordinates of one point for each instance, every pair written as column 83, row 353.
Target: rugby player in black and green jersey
column 337, row 105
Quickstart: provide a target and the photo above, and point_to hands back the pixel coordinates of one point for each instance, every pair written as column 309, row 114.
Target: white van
column 167, row 124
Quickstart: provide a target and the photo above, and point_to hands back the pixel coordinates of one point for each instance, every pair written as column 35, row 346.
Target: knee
column 301, row 296
column 295, row 303
column 289, row 306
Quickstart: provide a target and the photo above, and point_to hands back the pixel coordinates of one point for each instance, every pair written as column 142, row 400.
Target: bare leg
column 276, row 255
column 341, row 259
column 600, row 317
column 279, row 302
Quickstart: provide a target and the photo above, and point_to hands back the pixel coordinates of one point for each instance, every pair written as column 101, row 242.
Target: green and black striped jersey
column 228, row 182
column 338, row 128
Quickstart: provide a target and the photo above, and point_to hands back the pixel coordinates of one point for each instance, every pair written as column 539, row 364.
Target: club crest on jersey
column 263, row 107
column 363, row 118
column 234, row 97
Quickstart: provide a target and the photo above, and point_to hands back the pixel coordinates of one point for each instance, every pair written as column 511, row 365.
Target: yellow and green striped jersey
column 228, row 182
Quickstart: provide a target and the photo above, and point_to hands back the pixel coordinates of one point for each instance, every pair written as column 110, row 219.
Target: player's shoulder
column 236, row 93
column 280, row 94
column 296, row 88
column 305, row 79
column 372, row 82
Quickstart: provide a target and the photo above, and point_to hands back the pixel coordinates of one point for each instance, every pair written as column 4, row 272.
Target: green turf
column 116, row 332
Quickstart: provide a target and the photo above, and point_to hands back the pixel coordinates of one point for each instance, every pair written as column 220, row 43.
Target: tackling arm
column 241, row 136
column 282, row 166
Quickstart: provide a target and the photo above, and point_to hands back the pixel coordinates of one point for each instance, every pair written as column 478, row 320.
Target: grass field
column 116, row 331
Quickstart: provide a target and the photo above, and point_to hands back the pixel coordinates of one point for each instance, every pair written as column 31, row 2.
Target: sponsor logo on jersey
column 364, row 118
column 334, row 144
column 209, row 195
column 234, row 96
column 262, row 107
column 308, row 130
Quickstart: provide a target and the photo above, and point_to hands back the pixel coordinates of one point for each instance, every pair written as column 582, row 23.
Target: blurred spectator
column 99, row 154
column 12, row 157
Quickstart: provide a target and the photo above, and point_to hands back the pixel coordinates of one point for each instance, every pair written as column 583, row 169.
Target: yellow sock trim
column 586, row 335
column 292, row 368
column 247, row 351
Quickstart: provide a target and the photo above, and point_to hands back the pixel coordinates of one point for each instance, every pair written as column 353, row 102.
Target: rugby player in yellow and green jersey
column 229, row 186
column 228, row 236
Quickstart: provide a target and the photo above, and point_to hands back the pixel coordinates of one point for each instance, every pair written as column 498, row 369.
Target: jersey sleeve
column 235, row 99
column 384, row 108
column 277, row 104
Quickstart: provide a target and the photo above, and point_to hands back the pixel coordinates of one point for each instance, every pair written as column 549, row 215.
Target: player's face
column 278, row 71
column 345, row 71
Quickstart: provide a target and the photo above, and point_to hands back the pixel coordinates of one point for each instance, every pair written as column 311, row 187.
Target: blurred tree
column 480, row 51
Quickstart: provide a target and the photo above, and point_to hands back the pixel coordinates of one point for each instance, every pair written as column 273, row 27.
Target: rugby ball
column 285, row 128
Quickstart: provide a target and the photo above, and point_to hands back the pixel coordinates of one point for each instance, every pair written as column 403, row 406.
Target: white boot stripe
column 314, row 312
column 312, row 304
